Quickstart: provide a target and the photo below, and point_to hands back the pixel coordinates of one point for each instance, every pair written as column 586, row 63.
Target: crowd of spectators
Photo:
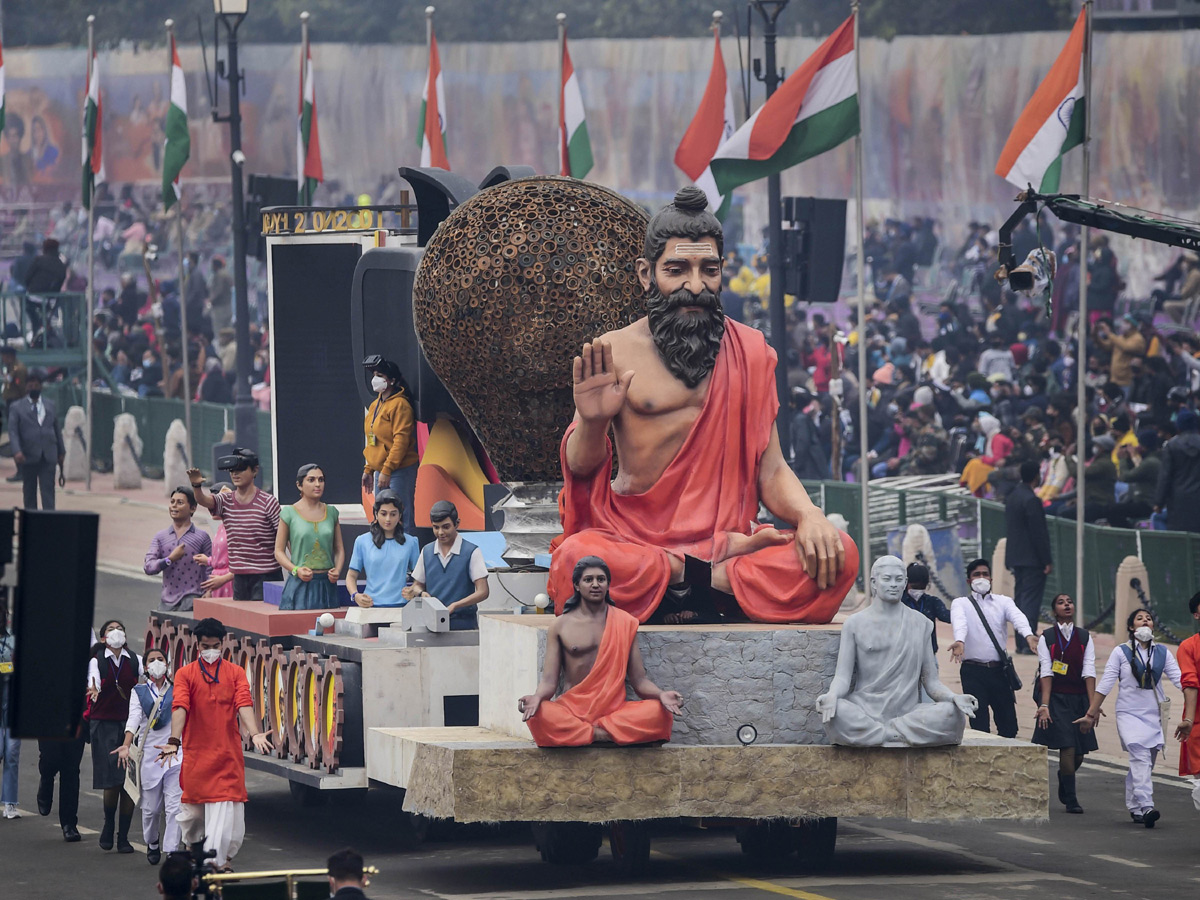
column 971, row 379
column 140, row 309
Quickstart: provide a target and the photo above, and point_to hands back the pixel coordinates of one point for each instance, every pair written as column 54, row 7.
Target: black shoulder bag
column 1010, row 671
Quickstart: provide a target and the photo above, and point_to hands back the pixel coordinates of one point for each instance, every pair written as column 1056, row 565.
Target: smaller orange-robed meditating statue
column 593, row 646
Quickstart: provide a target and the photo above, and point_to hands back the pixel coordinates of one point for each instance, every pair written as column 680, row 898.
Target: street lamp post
column 771, row 77
column 231, row 13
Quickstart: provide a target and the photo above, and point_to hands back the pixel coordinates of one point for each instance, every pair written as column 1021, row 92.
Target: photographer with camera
column 177, row 878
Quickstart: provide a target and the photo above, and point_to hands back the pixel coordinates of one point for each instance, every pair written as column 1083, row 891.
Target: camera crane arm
column 1102, row 215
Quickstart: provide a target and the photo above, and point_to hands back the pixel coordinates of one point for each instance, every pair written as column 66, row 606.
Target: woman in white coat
column 149, row 723
column 1138, row 667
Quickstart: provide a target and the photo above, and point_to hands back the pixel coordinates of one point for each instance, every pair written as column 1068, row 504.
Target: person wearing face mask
column 390, row 443
column 916, row 596
column 211, row 697
column 112, row 674
column 980, row 622
column 35, row 436
column 1066, row 685
column 1138, row 668
column 149, row 723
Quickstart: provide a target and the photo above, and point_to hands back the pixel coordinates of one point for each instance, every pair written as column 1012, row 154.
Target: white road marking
column 832, row 882
column 82, row 829
column 1124, row 862
column 1022, row 837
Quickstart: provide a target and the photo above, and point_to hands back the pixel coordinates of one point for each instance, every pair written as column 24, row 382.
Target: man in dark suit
column 1027, row 551
column 37, row 442
column 346, row 875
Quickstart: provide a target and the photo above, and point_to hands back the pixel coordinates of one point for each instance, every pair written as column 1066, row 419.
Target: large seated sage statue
column 884, row 657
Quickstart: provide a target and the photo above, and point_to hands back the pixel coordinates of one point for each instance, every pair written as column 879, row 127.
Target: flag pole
column 305, row 196
column 561, row 19
column 864, row 547
column 183, row 322
column 91, row 260
column 1081, row 329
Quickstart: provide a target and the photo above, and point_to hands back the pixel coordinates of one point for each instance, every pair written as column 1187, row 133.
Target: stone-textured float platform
column 258, row 617
column 477, row 775
column 768, row 676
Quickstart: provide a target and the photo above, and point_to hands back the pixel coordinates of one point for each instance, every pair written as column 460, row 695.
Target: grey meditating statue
column 885, row 654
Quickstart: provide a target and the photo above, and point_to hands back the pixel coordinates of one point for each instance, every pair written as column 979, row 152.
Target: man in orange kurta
column 1188, row 731
column 593, row 646
column 690, row 399
column 210, row 696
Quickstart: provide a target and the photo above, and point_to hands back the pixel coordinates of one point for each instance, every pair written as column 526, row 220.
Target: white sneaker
column 10, row 811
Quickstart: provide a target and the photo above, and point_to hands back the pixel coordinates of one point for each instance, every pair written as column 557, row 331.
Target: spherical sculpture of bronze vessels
column 510, row 287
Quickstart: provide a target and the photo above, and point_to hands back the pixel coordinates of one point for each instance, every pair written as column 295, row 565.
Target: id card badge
column 6, row 668
column 1058, row 667
column 371, row 441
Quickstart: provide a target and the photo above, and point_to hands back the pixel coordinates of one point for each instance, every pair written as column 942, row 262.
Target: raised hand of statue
column 967, row 704
column 672, row 702
column 820, row 547
column 827, row 707
column 599, row 390
column 528, row 705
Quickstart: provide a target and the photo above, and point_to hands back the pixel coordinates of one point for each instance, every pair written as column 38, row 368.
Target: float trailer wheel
column 630, row 845
column 567, row 843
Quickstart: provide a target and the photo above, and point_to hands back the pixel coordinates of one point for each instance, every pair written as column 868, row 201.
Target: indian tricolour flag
column 179, row 143
column 309, row 171
column 574, row 146
column 92, row 154
column 711, row 127
column 432, row 132
column 1052, row 123
column 814, row 110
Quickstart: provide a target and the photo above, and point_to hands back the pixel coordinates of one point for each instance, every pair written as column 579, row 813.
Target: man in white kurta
column 886, row 654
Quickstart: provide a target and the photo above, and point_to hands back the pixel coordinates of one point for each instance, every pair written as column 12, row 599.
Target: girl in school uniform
column 112, row 674
column 1138, row 667
column 1067, row 683
column 149, row 723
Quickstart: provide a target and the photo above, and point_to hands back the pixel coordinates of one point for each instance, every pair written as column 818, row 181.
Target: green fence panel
column 265, row 449
column 1171, row 559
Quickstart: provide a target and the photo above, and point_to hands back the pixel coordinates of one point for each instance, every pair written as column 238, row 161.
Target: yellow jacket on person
column 390, row 432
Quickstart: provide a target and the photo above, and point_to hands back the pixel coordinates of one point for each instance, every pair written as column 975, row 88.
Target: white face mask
column 916, row 593
column 210, row 656
column 157, row 669
column 1144, row 634
column 115, row 639
column 378, row 383
column 981, row 586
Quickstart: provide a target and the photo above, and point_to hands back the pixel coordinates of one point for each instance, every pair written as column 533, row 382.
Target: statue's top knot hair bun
column 691, row 199
column 687, row 217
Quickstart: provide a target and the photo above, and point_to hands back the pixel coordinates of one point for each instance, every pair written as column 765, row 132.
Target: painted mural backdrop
column 936, row 112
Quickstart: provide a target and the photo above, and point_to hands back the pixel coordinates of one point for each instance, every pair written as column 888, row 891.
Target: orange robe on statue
column 709, row 490
column 600, row 699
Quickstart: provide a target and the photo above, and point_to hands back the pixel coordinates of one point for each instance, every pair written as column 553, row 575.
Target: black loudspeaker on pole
column 52, row 621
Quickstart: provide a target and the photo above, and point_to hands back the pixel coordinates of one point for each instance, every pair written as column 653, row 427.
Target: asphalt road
column 1098, row 854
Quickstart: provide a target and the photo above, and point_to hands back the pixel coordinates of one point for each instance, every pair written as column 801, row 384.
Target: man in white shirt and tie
column 36, row 438
column 983, row 674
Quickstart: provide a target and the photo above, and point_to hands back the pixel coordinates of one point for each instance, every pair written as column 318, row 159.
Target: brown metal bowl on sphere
column 510, row 287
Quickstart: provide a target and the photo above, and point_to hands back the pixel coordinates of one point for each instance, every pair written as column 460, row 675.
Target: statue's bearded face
column 688, row 321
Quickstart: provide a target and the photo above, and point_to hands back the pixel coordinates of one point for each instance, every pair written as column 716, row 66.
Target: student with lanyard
column 211, row 696
column 112, row 674
column 1138, row 667
column 149, row 724
column 1065, row 688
